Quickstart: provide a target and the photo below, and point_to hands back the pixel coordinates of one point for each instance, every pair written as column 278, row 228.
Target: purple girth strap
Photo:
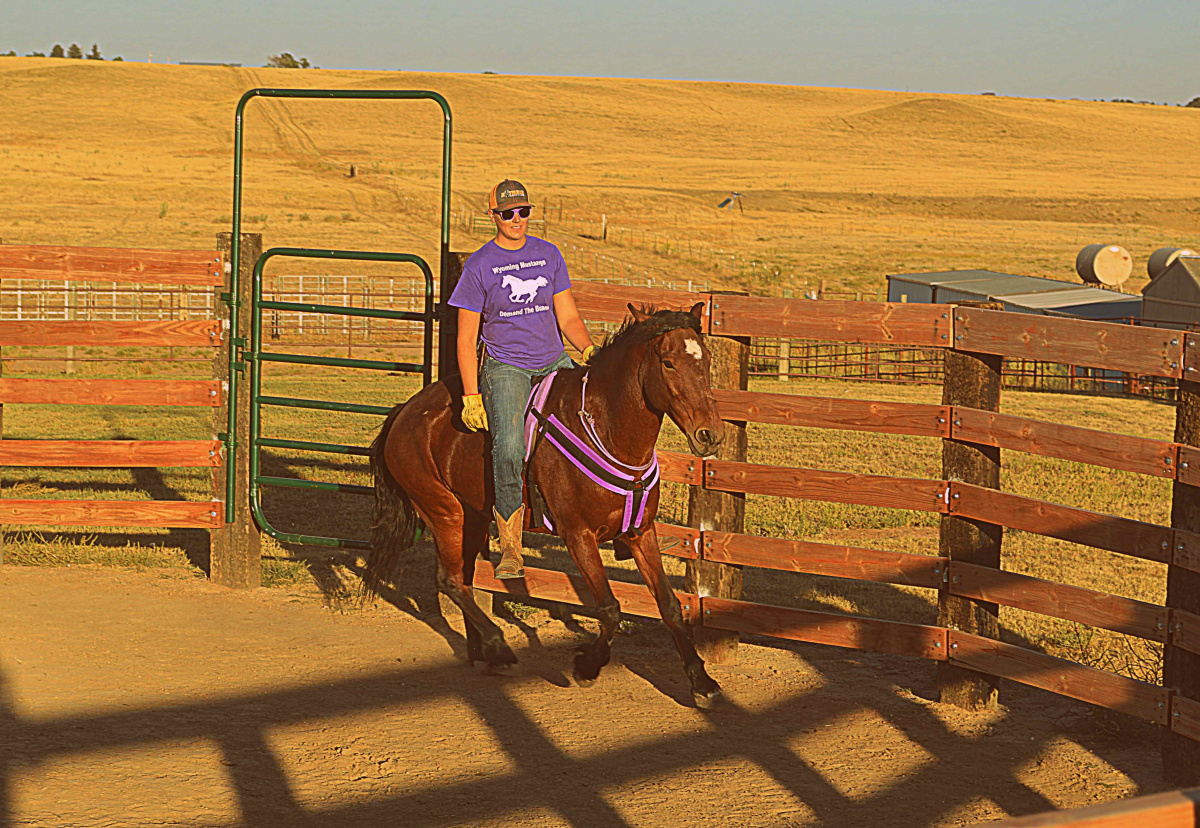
column 634, row 482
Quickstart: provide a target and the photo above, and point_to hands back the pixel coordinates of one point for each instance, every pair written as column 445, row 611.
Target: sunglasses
column 507, row 215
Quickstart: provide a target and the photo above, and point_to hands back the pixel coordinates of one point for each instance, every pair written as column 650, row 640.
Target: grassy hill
column 840, row 185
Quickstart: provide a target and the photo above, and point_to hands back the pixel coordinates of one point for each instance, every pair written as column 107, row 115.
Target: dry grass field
column 840, row 185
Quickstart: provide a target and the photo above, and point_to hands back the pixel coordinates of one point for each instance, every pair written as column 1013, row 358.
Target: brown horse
column 428, row 467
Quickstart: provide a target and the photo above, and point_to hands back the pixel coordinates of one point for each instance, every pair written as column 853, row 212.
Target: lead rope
column 589, row 427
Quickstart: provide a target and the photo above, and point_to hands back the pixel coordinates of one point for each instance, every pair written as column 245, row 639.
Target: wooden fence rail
column 113, row 392
column 112, row 264
column 1159, row 458
column 1104, row 345
column 1174, row 809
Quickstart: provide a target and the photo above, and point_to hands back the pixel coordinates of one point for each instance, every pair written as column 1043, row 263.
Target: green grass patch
column 36, row 549
column 281, row 573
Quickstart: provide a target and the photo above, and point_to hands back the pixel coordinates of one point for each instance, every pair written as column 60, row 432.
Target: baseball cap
column 511, row 193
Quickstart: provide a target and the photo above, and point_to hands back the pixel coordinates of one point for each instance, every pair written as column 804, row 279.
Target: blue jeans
column 505, row 390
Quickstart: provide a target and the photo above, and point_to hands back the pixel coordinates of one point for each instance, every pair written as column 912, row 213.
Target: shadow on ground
column 547, row 776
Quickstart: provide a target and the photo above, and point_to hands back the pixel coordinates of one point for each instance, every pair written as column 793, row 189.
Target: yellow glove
column 586, row 356
column 474, row 417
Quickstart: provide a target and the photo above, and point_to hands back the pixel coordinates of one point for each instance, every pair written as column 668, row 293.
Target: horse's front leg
column 595, row 654
column 646, row 554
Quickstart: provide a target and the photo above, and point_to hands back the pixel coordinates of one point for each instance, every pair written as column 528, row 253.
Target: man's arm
column 569, row 322
column 468, row 359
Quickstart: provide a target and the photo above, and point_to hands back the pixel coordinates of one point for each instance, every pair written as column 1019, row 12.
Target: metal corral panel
column 1088, row 303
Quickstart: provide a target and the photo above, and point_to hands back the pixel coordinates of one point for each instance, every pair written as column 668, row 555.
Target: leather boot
column 512, row 564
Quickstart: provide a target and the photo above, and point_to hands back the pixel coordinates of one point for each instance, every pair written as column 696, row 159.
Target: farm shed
column 1020, row 294
column 1172, row 299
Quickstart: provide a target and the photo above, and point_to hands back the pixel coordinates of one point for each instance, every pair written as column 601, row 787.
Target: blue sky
column 1050, row 48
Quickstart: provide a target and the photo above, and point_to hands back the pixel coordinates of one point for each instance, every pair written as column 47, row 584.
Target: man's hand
column 474, row 417
column 586, row 357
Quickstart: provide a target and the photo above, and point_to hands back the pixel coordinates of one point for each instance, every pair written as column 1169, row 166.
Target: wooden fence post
column 1181, row 669
column 720, row 511
column 235, row 556
column 447, row 354
column 2, row 428
column 447, row 349
column 970, row 380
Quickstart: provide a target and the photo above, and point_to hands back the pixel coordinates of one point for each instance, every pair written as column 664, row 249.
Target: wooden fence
column 1174, row 809
column 970, row 583
column 967, row 574
column 194, row 269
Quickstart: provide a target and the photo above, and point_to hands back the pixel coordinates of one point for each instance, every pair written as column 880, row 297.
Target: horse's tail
column 394, row 522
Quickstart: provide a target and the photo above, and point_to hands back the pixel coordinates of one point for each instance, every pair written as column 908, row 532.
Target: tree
column 74, row 52
column 286, row 61
column 10, row 53
column 95, row 53
column 36, row 54
column 57, row 51
column 118, row 58
column 1194, row 101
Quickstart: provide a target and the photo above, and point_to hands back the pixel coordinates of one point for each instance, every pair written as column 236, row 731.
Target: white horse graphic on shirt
column 523, row 290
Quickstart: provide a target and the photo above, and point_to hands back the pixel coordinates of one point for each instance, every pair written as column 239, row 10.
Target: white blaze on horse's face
column 693, row 348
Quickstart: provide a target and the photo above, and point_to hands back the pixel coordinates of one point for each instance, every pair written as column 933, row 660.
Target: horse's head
column 675, row 381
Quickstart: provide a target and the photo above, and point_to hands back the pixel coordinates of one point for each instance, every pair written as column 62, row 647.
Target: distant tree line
column 287, row 61
column 1193, row 102
column 73, row 51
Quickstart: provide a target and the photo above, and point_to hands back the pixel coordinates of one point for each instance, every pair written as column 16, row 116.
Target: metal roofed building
column 1084, row 302
column 1020, row 294
column 1172, row 299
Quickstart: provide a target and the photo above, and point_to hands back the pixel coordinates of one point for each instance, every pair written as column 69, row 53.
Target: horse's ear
column 638, row 315
column 698, row 311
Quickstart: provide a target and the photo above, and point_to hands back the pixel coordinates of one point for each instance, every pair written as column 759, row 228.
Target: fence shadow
column 576, row 786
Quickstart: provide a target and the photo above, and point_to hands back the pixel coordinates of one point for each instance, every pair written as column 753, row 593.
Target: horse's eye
column 668, row 364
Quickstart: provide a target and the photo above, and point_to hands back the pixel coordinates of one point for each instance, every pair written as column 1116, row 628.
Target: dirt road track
column 133, row 699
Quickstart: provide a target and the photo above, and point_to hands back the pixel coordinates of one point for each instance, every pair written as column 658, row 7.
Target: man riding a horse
column 587, row 441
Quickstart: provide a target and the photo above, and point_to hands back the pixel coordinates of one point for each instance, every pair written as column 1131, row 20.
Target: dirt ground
column 154, row 698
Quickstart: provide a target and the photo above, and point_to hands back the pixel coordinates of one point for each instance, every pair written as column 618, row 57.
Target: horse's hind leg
column 646, row 554
column 459, row 541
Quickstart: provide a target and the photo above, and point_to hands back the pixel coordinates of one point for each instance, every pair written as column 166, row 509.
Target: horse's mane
column 633, row 333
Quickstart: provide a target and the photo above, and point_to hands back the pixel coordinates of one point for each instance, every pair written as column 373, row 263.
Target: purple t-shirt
column 514, row 290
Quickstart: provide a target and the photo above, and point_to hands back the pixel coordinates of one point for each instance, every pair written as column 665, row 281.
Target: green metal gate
column 257, row 399
column 252, row 355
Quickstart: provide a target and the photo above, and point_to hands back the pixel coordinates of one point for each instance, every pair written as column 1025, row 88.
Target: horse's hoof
column 508, row 670
column 580, row 678
column 496, row 651
column 710, row 700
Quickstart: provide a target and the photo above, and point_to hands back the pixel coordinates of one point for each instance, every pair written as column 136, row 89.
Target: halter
column 606, row 471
